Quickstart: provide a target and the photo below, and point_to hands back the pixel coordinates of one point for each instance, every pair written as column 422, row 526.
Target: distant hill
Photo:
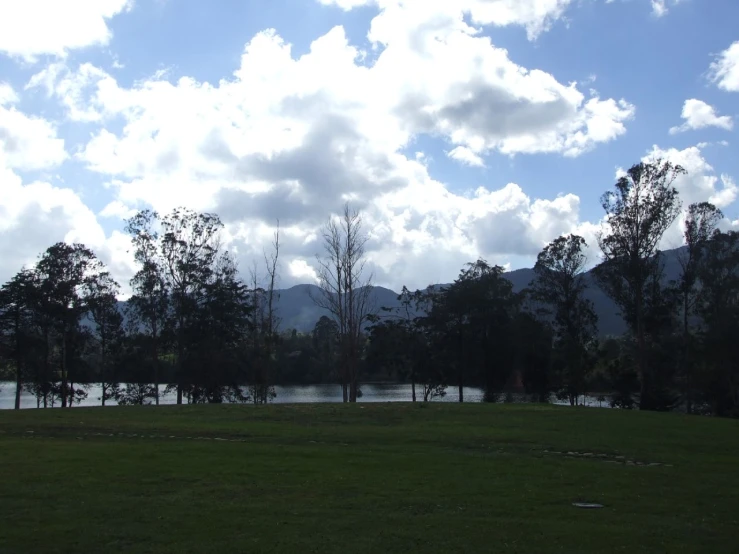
column 297, row 310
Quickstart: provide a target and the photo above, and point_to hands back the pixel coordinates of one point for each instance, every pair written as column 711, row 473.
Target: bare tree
column 265, row 324
column 345, row 292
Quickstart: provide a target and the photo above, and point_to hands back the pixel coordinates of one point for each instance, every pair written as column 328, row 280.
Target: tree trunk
column 413, row 388
column 644, row 392
column 686, row 359
column 155, row 360
column 18, row 385
column 18, row 360
column 64, row 368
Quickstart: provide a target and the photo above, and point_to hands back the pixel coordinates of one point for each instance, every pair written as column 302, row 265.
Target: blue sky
column 477, row 128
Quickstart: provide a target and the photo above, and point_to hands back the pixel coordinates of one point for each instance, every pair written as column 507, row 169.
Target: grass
column 365, row 479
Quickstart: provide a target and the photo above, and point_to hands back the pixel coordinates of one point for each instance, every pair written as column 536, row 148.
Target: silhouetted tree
column 345, row 292
column 148, row 308
column 103, row 304
column 17, row 303
column 65, row 271
column 701, row 221
column 638, row 212
column 189, row 249
column 718, row 306
column 560, row 286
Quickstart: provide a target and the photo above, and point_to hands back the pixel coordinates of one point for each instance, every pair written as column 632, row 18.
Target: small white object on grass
column 586, row 505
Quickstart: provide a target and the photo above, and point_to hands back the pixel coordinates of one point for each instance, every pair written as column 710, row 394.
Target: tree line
column 678, row 352
column 194, row 325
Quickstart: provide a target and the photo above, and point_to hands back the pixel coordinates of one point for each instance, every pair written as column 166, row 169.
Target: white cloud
column 7, row 94
column 465, row 156
column 699, row 115
column 27, row 142
column 700, row 184
column 659, row 8
column 31, row 28
column 536, row 16
column 347, row 5
column 725, row 70
column 301, row 271
column 117, row 210
column 292, row 138
column 35, row 215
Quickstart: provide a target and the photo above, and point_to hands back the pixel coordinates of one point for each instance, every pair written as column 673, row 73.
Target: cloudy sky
column 460, row 129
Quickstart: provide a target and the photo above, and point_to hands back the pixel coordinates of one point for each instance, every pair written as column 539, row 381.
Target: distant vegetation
column 213, row 335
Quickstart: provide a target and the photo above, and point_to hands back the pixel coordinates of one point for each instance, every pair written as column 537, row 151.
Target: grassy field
column 366, row 479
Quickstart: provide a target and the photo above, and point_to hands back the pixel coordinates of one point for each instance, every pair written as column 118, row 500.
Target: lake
column 294, row 394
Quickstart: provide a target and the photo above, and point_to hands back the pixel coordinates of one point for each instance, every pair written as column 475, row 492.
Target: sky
column 465, row 129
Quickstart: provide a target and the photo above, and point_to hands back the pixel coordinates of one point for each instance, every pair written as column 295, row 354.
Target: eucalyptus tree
column 701, row 221
column 217, row 335
column 17, row 304
column 642, row 206
column 148, row 308
column 560, row 286
column 718, row 306
column 189, row 248
column 105, row 314
column 472, row 322
column 65, row 272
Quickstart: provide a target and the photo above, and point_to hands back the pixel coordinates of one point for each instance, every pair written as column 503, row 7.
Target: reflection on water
column 295, row 394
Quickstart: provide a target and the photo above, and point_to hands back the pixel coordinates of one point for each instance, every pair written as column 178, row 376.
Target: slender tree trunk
column 155, row 360
column 413, row 388
column 18, row 360
column 64, row 368
column 686, row 358
column 644, row 381
column 180, row 353
column 460, row 370
column 18, row 385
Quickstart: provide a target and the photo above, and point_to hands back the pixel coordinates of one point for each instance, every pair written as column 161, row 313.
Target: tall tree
column 345, row 291
column 472, row 318
column 190, row 244
column 148, row 308
column 638, row 212
column 105, row 314
column 265, row 325
column 701, row 221
column 718, row 307
column 560, row 286
column 65, row 271
column 216, row 337
column 17, row 301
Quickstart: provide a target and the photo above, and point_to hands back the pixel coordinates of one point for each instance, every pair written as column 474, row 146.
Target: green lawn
column 366, row 478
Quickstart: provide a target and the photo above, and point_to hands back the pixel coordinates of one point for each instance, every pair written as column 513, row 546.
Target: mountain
column 298, row 311
column 296, row 308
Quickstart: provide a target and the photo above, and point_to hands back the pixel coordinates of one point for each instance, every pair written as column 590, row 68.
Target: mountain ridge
column 297, row 311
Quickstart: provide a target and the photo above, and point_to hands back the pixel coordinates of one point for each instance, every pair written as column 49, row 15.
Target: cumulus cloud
column 700, row 184
column 31, row 28
column 466, row 156
column 36, row 214
column 295, row 137
column 27, row 142
column 725, row 70
column 699, row 115
column 536, row 16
